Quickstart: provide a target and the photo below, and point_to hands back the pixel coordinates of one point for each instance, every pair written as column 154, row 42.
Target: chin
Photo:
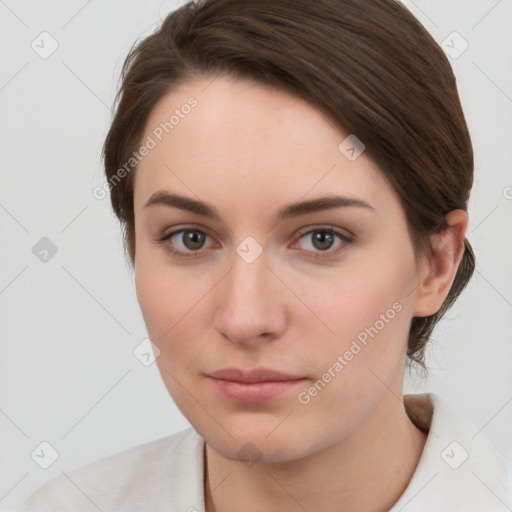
column 262, row 441
column 257, row 449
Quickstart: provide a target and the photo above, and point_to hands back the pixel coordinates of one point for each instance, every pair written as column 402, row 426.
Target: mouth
column 254, row 386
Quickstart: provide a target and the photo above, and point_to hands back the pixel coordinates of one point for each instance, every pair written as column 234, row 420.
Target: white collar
column 459, row 470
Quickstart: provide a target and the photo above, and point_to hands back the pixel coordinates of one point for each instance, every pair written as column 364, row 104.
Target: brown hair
column 367, row 64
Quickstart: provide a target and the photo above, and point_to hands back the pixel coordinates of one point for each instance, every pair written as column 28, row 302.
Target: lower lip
column 254, row 392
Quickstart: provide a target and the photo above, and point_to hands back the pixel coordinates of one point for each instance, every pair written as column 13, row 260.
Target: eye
column 321, row 240
column 189, row 242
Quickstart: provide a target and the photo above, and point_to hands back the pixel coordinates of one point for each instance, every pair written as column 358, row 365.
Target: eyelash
column 345, row 238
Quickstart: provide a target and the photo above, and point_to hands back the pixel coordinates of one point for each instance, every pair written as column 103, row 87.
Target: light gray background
column 69, row 326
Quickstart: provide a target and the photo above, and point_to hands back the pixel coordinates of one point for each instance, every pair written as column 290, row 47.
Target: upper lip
column 258, row 375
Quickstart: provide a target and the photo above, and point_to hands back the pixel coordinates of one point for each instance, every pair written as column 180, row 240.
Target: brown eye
column 185, row 242
column 322, row 240
column 193, row 240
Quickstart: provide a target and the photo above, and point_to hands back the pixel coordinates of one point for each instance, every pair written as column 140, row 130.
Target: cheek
column 370, row 316
column 369, row 312
column 153, row 299
column 166, row 303
column 170, row 302
column 158, row 301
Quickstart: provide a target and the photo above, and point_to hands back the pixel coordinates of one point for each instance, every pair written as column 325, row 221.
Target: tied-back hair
column 368, row 65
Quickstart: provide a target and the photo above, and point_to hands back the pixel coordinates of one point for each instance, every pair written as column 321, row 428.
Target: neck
column 367, row 471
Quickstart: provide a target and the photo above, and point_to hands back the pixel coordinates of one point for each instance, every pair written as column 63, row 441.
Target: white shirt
column 459, row 470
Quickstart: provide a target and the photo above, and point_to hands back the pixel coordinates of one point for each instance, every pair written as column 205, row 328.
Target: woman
column 292, row 180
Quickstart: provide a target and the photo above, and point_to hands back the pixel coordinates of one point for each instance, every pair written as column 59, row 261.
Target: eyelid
column 344, row 233
column 186, row 227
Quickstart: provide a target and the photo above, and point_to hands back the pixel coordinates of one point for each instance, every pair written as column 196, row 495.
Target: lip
column 258, row 375
column 253, row 386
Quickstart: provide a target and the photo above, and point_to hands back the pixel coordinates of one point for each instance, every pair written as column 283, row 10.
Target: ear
column 438, row 273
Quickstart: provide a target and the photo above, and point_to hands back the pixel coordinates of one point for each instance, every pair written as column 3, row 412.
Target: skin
column 249, row 150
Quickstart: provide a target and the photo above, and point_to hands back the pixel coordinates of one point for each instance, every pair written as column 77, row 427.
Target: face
column 321, row 295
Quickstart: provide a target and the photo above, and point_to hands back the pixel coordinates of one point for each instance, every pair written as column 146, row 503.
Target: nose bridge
column 248, row 283
column 248, row 306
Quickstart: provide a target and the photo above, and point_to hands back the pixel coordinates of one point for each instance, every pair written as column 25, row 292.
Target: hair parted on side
column 369, row 65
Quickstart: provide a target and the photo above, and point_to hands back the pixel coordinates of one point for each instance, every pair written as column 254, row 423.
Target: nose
column 251, row 305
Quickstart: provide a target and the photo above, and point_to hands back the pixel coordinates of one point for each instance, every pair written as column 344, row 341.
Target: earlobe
column 448, row 250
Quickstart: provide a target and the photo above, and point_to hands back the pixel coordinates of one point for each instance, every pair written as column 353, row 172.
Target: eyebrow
column 329, row 202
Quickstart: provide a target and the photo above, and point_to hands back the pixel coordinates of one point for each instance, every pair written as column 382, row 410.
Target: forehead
column 246, row 143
